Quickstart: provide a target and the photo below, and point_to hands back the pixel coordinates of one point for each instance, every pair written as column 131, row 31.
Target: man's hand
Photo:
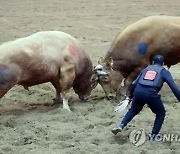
column 130, row 100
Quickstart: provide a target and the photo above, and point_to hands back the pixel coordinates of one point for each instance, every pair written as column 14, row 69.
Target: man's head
column 158, row 59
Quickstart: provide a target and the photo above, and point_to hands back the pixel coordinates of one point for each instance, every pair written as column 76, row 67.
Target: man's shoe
column 117, row 129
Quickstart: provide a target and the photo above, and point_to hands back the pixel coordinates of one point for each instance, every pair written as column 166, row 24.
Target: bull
column 49, row 56
column 133, row 49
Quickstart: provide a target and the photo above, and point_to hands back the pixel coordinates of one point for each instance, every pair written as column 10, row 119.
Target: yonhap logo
column 137, row 137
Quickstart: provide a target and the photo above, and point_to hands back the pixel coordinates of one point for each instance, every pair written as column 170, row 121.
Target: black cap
column 158, row 59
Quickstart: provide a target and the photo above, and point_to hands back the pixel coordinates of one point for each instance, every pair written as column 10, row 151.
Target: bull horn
column 110, row 61
column 101, row 60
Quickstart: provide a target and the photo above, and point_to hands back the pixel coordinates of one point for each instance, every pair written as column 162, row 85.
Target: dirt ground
column 29, row 126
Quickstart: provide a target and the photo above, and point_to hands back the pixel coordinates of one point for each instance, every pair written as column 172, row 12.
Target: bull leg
column 58, row 98
column 4, row 88
column 7, row 80
column 65, row 101
column 131, row 77
column 128, row 81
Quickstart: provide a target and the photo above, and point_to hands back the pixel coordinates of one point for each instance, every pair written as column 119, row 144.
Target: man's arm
column 169, row 80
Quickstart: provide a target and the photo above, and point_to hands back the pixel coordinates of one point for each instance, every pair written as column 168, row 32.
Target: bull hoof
column 67, row 109
column 120, row 96
column 56, row 102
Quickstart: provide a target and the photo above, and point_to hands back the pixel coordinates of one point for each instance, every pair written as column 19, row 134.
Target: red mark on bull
column 73, row 50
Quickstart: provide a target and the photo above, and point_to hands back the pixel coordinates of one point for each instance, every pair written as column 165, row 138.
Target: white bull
column 49, row 56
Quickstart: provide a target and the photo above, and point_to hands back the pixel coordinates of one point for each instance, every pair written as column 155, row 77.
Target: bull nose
column 110, row 96
column 84, row 98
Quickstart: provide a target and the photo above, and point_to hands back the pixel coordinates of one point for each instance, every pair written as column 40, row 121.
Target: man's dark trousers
column 154, row 103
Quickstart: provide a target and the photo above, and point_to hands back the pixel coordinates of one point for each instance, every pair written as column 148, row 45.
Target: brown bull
column 50, row 56
column 133, row 48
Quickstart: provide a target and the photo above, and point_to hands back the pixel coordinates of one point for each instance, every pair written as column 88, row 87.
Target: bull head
column 109, row 78
column 85, row 85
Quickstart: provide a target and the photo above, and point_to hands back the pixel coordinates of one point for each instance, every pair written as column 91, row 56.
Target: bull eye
column 105, row 79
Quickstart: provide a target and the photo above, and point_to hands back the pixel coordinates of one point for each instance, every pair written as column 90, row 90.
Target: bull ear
column 110, row 61
column 94, row 70
column 101, row 60
column 94, row 78
column 94, row 81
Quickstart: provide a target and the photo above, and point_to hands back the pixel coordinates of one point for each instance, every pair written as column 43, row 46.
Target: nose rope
column 100, row 71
